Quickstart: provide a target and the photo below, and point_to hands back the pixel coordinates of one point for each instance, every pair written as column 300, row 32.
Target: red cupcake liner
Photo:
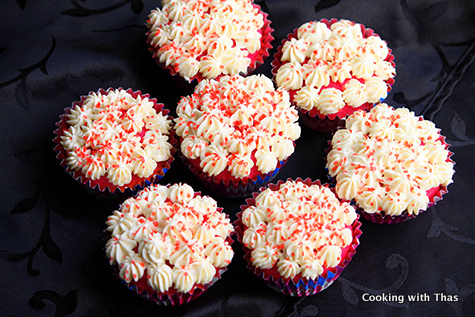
column 257, row 58
column 102, row 188
column 232, row 188
column 171, row 297
column 297, row 286
column 314, row 119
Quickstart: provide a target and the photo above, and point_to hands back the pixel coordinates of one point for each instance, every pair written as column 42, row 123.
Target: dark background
column 51, row 231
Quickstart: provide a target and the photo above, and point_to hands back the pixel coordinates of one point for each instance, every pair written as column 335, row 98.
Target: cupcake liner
column 232, row 188
column 297, row 286
column 102, row 188
column 257, row 58
column 313, row 119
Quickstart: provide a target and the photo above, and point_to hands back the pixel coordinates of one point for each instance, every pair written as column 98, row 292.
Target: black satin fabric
column 51, row 231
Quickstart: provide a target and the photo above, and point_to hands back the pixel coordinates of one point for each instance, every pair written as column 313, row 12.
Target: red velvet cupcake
column 333, row 68
column 391, row 163
column 297, row 236
column 115, row 142
column 169, row 244
column 203, row 39
column 236, row 133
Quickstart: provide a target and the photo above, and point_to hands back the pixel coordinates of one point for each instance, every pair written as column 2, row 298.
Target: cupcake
column 297, row 236
column 332, row 69
column 168, row 243
column 236, row 133
column 115, row 142
column 207, row 39
column 391, row 163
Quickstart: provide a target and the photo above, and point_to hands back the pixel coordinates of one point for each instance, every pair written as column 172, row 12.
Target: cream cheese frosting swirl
column 387, row 159
column 338, row 57
column 185, row 243
column 300, row 228
column 115, row 135
column 237, row 124
column 207, row 37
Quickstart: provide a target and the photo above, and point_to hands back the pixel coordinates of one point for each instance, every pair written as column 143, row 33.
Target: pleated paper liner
column 314, row 119
column 257, row 58
column 298, row 286
column 102, row 188
column 317, row 121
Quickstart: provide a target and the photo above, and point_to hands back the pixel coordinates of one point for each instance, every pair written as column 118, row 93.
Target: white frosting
column 294, row 50
column 207, row 37
column 330, row 99
column 104, row 137
column 119, row 223
column 375, row 89
column 237, row 123
column 119, row 247
column 316, row 74
column 133, row 268
column 307, row 98
column 297, row 227
column 387, row 159
column 169, row 237
column 314, row 32
column 290, row 75
column 160, row 276
column 339, row 54
column 354, row 93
